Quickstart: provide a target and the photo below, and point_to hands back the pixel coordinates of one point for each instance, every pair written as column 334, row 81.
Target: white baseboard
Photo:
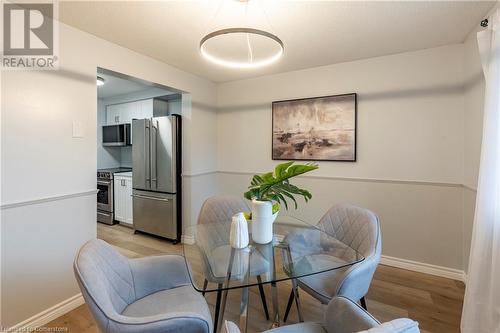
column 49, row 314
column 421, row 267
column 187, row 239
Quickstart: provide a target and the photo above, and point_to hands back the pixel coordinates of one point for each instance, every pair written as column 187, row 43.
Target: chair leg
column 217, row 307
column 263, row 296
column 363, row 303
column 289, row 305
column 205, row 285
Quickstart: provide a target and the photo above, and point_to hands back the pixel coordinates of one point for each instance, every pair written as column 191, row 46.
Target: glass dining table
column 298, row 249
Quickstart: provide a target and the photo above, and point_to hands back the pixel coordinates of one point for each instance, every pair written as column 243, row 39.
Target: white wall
column 410, row 145
column 48, row 177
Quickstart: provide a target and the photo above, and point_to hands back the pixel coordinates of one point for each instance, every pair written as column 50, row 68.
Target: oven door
column 105, row 195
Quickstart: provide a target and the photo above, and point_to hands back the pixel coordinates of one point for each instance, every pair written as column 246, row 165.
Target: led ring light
column 236, row 64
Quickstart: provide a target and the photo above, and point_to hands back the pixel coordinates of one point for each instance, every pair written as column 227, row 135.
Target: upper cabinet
column 113, row 114
column 146, row 108
column 121, row 113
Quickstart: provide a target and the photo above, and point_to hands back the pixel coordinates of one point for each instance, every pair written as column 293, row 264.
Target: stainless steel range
column 105, row 201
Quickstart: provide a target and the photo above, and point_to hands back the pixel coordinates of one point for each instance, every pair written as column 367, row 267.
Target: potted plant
column 268, row 191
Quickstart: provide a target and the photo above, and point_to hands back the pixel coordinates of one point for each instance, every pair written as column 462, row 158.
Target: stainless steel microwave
column 116, row 135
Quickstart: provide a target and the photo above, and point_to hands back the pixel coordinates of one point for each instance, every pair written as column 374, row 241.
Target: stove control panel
column 103, row 175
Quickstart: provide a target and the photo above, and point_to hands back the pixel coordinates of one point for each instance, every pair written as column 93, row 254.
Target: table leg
column 295, row 286
column 274, row 292
column 244, row 310
column 217, row 307
column 221, row 311
column 276, row 312
column 267, row 251
column 297, row 299
column 244, row 294
column 224, row 293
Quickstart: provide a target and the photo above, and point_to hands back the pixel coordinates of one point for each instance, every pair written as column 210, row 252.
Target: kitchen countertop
column 124, row 174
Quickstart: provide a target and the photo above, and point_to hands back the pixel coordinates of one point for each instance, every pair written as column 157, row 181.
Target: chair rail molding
column 356, row 179
column 16, row 204
column 470, row 188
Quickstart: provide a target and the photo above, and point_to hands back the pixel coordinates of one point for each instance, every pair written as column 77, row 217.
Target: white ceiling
column 314, row 33
column 118, row 86
column 115, row 86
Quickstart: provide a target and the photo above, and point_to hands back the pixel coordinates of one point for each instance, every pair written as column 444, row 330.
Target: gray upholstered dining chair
column 343, row 316
column 139, row 295
column 360, row 229
column 217, row 209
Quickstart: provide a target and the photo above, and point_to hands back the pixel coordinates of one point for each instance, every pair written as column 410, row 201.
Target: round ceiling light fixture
column 100, row 81
column 263, row 41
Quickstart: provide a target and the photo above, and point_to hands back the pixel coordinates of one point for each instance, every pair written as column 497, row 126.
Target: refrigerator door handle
column 149, row 198
column 154, row 136
column 147, row 149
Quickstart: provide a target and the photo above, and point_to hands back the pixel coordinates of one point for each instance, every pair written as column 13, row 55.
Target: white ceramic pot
column 238, row 236
column 262, row 221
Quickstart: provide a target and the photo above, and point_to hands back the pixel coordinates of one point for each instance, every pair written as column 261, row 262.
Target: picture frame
column 315, row 128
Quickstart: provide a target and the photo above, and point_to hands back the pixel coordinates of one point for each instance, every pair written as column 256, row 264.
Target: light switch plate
column 78, row 129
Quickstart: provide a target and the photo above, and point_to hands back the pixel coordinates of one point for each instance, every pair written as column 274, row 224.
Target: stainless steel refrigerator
column 156, row 182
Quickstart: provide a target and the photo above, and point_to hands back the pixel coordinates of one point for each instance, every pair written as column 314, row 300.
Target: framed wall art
column 315, row 129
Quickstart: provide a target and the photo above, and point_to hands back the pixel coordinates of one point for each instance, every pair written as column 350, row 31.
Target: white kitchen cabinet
column 113, row 113
column 122, row 113
column 123, row 199
column 146, row 108
column 153, row 107
column 130, row 111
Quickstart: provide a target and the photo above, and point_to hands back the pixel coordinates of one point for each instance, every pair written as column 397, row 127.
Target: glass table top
column 298, row 249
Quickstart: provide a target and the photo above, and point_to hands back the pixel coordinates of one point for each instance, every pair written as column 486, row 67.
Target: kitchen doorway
column 139, row 163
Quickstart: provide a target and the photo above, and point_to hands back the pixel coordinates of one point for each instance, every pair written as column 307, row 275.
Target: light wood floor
column 436, row 303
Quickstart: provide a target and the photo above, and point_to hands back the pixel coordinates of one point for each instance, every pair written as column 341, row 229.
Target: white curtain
column 481, row 312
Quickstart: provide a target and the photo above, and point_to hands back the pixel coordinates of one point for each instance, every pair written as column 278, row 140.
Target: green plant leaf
column 281, row 168
column 284, row 191
column 276, row 186
column 276, row 208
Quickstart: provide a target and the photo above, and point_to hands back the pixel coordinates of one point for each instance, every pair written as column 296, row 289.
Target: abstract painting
column 315, row 129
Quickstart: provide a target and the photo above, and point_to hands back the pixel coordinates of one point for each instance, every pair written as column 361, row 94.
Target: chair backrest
column 355, row 226
column 105, row 279
column 400, row 325
column 221, row 209
column 344, row 315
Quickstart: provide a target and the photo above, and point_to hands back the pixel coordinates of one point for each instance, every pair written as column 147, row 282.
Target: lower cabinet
column 123, row 199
